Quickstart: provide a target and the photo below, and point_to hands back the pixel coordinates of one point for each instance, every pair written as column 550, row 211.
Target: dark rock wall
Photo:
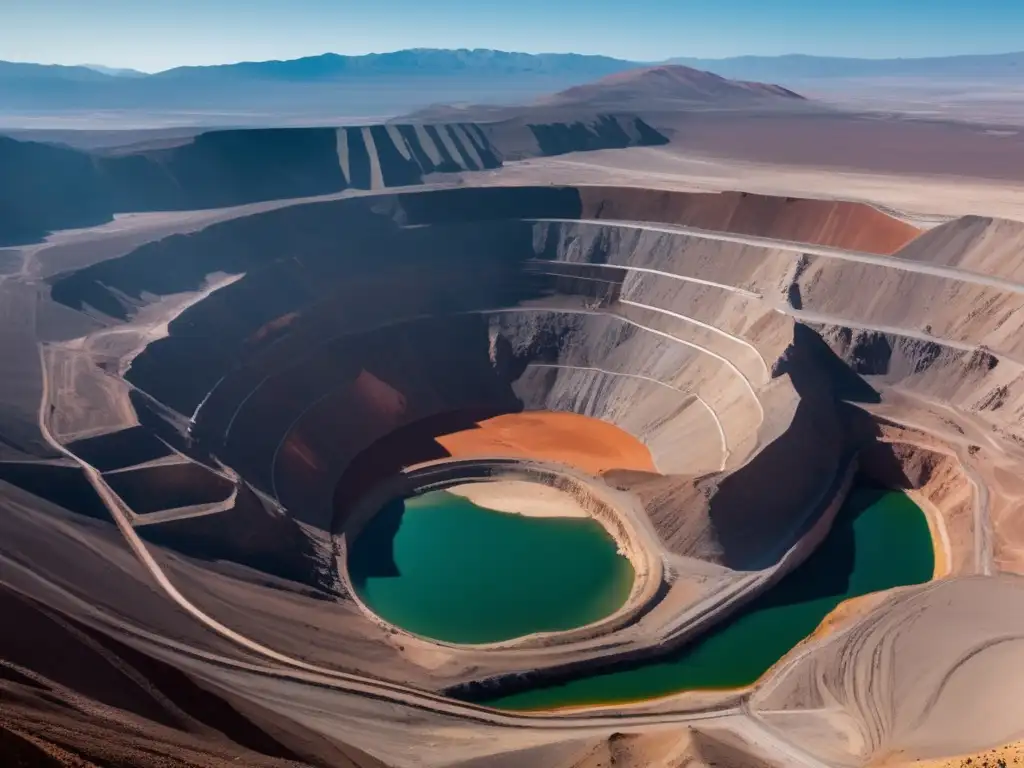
column 47, row 187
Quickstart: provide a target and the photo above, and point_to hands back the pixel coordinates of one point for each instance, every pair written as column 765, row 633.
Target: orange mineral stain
column 588, row 444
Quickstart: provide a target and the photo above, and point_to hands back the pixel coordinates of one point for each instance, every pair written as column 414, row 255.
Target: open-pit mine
column 335, row 446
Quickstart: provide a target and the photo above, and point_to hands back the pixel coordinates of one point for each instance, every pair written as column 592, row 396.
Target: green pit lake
column 442, row 567
column 879, row 540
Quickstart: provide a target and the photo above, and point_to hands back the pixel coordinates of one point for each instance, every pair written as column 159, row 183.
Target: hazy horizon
column 151, row 36
column 116, row 67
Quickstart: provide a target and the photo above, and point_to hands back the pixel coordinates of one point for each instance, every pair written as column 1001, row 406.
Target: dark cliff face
column 226, row 168
column 44, row 187
column 47, row 187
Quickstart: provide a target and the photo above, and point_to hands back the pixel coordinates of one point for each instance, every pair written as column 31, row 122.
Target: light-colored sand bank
column 663, row 748
column 938, row 646
column 919, row 198
column 521, row 498
column 585, row 443
column 936, row 529
column 1000, row 757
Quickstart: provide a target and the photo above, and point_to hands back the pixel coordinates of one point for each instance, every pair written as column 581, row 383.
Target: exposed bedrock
column 604, row 132
column 261, row 378
column 281, row 364
column 942, row 350
column 823, row 222
column 809, row 452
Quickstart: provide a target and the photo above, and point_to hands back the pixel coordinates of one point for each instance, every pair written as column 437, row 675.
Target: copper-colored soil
column 589, row 444
column 853, row 226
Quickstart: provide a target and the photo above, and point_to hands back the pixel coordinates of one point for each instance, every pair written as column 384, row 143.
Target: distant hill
column 644, row 90
column 15, row 71
column 313, row 90
column 666, row 86
column 414, row 63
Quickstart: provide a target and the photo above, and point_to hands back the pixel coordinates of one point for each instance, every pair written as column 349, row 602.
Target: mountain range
column 419, row 62
column 386, row 84
column 311, row 89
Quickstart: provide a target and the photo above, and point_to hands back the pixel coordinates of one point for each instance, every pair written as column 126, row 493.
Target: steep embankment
column 946, row 329
column 853, row 226
column 45, row 188
column 975, row 243
column 938, row 338
column 51, row 187
column 669, row 85
column 658, row 90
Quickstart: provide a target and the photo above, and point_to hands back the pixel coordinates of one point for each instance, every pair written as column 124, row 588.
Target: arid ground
column 224, row 354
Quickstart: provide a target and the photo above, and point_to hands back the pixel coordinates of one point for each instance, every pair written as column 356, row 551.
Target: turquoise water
column 880, row 539
column 442, row 567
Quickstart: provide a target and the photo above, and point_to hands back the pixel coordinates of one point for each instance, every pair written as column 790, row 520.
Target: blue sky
column 158, row 34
